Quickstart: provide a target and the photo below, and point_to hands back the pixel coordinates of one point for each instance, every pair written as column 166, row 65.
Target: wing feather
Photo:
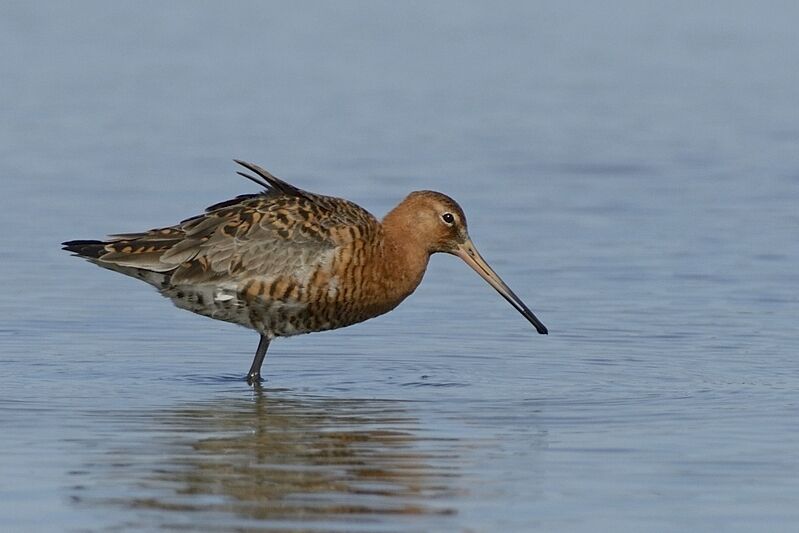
column 282, row 231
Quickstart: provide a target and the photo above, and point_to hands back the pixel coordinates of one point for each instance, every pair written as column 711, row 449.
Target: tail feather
column 89, row 249
column 96, row 251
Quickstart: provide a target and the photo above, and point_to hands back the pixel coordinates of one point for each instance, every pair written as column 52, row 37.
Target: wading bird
column 287, row 261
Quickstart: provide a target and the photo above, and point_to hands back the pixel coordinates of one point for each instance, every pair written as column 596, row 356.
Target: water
column 631, row 171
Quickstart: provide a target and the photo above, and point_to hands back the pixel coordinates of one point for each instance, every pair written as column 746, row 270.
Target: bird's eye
column 448, row 218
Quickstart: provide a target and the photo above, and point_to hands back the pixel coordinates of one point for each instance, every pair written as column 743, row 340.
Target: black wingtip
column 84, row 248
column 71, row 245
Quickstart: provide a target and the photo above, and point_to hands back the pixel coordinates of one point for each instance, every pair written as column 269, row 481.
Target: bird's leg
column 254, row 375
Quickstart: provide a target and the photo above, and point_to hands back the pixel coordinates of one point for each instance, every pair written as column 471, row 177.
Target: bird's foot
column 254, row 378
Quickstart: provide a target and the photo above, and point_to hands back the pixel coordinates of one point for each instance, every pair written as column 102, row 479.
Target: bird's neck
column 405, row 254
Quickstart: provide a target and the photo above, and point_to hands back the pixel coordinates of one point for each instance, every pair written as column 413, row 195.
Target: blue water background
column 631, row 169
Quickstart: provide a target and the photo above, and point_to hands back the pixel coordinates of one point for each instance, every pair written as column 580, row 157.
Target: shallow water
column 632, row 172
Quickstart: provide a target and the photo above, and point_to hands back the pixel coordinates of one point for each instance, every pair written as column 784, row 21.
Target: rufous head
column 439, row 224
column 437, row 221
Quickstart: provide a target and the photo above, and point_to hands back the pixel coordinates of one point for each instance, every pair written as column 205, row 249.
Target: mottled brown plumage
column 287, row 261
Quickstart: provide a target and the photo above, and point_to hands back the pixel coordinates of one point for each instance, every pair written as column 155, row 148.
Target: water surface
column 631, row 171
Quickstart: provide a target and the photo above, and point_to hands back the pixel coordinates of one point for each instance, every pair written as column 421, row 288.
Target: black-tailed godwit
column 286, row 261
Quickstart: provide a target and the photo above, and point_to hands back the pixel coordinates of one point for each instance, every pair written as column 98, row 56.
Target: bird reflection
column 277, row 457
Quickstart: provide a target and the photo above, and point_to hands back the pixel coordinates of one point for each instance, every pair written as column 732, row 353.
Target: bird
column 285, row 261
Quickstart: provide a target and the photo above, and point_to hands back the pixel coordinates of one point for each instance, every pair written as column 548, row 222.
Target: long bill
column 469, row 254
